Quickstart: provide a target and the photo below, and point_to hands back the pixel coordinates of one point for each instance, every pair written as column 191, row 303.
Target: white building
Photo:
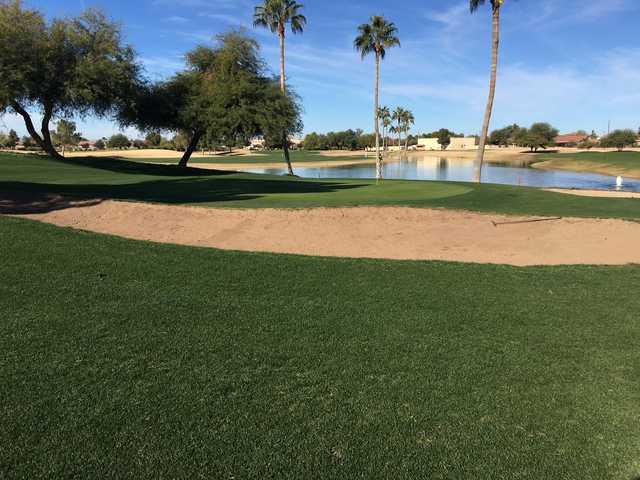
column 429, row 144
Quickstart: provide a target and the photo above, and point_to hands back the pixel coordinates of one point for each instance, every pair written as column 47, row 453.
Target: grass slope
column 124, row 359
column 123, row 180
column 607, row 163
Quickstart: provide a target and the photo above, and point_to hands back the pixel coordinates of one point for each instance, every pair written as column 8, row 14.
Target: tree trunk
column 492, row 92
column 193, row 144
column 406, row 140
column 376, row 124
column 42, row 143
column 46, row 134
column 283, row 89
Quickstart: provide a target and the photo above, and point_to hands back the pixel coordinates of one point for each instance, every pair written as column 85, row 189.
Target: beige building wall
column 429, row 144
column 462, row 143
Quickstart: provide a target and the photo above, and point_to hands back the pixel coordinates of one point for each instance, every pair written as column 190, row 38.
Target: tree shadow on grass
column 20, row 202
column 117, row 165
column 188, row 190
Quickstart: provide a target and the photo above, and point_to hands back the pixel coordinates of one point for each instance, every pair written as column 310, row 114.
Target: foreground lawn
column 124, row 180
column 124, row 359
column 609, row 163
column 297, row 156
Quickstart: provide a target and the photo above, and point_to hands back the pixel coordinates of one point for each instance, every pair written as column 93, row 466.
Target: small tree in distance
column 66, row 135
column 619, row 139
column 118, row 141
column 12, row 139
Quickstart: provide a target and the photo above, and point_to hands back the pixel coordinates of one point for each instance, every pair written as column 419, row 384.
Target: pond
column 461, row 170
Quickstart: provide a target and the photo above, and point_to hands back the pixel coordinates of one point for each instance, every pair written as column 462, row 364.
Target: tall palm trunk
column 285, row 137
column 492, row 92
column 376, row 125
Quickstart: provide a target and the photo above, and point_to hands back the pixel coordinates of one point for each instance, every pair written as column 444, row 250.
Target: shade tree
column 223, row 97
column 619, row 139
column 63, row 68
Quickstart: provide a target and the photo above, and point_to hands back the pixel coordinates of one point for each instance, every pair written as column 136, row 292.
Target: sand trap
column 596, row 193
column 372, row 232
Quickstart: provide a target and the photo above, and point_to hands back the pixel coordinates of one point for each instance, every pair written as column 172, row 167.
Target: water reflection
column 429, row 167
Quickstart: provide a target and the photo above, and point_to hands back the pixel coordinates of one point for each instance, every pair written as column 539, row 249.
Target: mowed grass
column 297, row 156
column 124, row 180
column 124, row 359
column 609, row 163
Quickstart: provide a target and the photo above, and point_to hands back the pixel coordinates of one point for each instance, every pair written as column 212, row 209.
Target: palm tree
column 376, row 37
column 384, row 114
column 495, row 7
column 398, row 115
column 407, row 121
column 276, row 15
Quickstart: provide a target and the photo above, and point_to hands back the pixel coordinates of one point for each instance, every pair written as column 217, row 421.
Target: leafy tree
column 619, row 139
column 495, row 43
column 12, row 139
column 139, row 144
column 276, row 15
column 376, row 38
column 153, row 139
column 443, row 135
column 539, row 135
column 223, row 97
column 3, row 140
column 504, row 136
column 66, row 135
column 444, row 138
column 118, row 141
column 27, row 143
column 66, row 67
column 100, row 145
column 345, row 140
column 314, row 141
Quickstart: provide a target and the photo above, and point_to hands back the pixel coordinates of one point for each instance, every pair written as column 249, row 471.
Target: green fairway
column 607, row 163
column 125, row 359
column 123, row 180
column 297, row 156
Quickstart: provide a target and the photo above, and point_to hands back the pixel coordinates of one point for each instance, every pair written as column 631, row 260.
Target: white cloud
column 176, row 19
column 556, row 94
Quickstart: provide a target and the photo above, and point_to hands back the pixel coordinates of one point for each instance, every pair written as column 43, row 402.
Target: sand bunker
column 596, row 193
column 370, row 232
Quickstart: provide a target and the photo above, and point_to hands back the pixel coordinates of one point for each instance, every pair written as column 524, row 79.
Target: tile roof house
column 570, row 139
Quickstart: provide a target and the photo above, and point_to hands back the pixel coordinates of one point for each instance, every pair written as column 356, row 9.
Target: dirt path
column 372, row 232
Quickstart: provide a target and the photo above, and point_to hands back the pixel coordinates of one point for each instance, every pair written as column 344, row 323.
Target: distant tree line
column 542, row 135
column 539, row 135
column 345, row 140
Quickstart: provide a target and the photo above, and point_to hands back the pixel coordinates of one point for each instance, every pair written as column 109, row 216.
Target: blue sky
column 573, row 65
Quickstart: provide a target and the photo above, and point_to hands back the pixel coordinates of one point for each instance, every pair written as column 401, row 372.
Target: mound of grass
column 124, row 180
column 607, row 163
column 125, row 359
